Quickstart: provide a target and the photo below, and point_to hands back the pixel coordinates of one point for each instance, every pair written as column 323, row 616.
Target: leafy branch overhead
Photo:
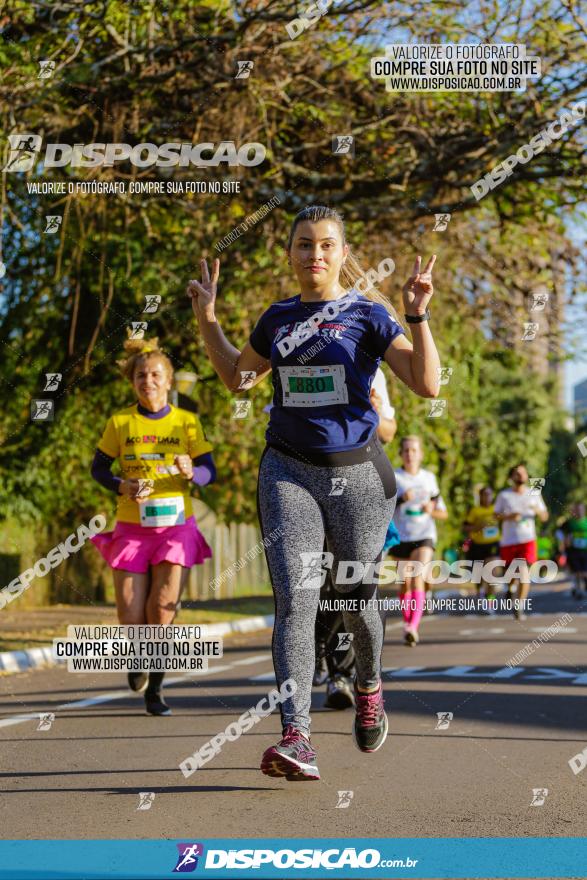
column 154, row 72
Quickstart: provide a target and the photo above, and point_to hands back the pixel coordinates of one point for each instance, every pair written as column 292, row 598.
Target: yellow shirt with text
column 485, row 525
column 146, row 449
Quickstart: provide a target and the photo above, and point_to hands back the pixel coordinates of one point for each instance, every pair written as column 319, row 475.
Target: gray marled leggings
column 295, row 496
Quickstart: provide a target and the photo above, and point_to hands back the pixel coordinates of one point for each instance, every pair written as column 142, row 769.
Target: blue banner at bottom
column 533, row 857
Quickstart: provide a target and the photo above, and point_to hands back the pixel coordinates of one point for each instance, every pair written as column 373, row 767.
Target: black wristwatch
column 418, row 319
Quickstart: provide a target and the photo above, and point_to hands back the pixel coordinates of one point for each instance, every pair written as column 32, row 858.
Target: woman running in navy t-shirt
column 324, row 474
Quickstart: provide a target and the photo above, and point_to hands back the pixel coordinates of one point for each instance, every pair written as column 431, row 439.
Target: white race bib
column 491, row 532
column 159, row 512
column 313, row 386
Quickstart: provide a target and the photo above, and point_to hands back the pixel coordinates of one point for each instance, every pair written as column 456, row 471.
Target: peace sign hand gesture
column 203, row 293
column 418, row 288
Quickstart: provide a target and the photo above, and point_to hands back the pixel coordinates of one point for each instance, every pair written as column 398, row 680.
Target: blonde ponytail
column 352, row 271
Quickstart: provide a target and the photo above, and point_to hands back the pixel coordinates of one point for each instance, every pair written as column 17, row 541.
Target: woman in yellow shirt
column 482, row 527
column 162, row 451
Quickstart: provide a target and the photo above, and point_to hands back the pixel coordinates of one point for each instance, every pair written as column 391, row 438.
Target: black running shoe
column 339, row 693
column 292, row 757
column 370, row 727
column 156, row 705
column 138, row 681
column 411, row 638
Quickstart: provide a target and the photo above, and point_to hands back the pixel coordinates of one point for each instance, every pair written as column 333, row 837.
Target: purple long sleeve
column 102, row 471
column 204, row 470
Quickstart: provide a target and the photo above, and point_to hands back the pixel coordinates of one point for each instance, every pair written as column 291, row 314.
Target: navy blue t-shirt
column 322, row 382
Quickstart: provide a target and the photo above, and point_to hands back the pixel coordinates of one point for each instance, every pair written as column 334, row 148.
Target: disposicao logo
column 286, row 859
column 25, row 151
column 187, row 860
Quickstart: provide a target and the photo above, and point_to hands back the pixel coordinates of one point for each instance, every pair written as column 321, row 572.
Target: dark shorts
column 406, row 548
column 480, row 552
column 577, row 559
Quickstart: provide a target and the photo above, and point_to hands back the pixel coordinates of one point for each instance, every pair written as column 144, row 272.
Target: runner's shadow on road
column 32, row 774
column 134, row 711
column 135, row 737
column 554, row 712
column 135, row 790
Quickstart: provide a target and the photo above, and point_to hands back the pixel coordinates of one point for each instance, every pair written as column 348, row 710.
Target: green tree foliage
column 151, row 72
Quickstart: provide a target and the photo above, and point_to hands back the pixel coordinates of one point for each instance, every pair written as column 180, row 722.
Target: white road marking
column 121, row 695
column 530, row 673
column 265, row 676
column 494, row 631
column 18, row 719
column 259, row 658
column 563, row 629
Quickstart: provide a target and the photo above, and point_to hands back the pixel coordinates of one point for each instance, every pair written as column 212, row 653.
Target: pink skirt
column 132, row 547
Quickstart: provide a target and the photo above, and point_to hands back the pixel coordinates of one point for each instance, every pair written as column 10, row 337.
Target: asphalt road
column 511, row 732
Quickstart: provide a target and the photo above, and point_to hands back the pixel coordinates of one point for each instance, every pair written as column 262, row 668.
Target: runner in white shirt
column 419, row 504
column 517, row 509
column 380, row 402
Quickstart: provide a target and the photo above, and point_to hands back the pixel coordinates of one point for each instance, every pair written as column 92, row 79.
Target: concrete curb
column 33, row 658
column 42, row 658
